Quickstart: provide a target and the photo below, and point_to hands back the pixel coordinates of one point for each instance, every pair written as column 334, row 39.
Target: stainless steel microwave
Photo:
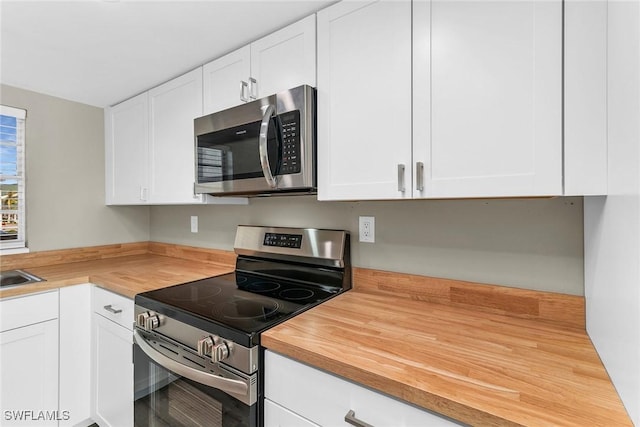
column 267, row 146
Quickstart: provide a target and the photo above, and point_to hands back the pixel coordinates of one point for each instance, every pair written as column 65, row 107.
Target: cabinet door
column 222, row 80
column 75, row 353
column 494, row 104
column 284, row 59
column 126, row 146
column 364, row 100
column 172, row 107
column 112, row 373
column 29, row 366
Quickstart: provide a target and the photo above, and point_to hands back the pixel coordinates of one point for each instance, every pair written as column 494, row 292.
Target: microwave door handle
column 262, row 145
column 225, row 384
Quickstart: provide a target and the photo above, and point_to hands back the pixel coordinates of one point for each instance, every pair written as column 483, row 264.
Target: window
column 12, row 233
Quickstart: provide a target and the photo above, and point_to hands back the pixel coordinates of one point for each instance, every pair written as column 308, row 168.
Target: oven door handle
column 262, row 146
column 223, row 384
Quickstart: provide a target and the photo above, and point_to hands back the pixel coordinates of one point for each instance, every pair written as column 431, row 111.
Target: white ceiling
column 102, row 52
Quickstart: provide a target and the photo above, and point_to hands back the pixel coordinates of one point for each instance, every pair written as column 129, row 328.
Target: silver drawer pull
column 350, row 418
column 253, row 88
column 111, row 309
column 419, row 176
column 244, row 89
column 401, row 177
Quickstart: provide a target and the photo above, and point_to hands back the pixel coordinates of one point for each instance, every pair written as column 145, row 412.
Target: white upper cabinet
column 364, row 101
column 284, row 59
column 490, row 122
column 225, row 80
column 468, row 99
column 126, row 151
column 150, row 146
column 585, row 97
column 279, row 61
column 172, row 108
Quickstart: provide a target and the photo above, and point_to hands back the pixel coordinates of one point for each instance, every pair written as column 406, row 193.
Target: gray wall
column 527, row 243
column 65, row 176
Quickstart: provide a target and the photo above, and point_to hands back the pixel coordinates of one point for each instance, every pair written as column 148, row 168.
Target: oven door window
column 163, row 398
column 234, row 153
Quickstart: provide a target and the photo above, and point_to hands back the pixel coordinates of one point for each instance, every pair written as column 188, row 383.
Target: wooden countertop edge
column 50, row 285
column 393, row 388
column 36, row 288
column 216, row 261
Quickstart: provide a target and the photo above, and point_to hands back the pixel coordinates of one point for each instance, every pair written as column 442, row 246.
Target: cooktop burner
column 258, row 286
column 296, row 294
column 242, row 309
column 195, row 293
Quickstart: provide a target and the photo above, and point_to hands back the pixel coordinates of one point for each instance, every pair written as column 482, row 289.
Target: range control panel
column 283, row 240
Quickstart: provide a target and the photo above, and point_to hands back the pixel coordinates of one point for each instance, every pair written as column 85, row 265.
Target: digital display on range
column 283, row 240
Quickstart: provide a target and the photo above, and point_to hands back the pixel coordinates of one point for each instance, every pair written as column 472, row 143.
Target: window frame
column 18, row 245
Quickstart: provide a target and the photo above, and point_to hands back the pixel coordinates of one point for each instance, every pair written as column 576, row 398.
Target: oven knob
column 152, row 322
column 205, row 345
column 141, row 320
column 220, row 352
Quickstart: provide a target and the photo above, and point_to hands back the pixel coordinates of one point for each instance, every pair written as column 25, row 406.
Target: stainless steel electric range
column 197, row 354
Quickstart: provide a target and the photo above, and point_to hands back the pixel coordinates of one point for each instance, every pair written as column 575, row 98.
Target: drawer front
column 277, row 416
column 326, row 397
column 28, row 310
column 113, row 306
column 329, row 398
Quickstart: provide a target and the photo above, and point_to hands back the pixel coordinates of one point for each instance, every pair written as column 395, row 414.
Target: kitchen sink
column 12, row 278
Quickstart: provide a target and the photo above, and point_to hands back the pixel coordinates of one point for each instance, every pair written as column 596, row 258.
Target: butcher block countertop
column 124, row 269
column 493, row 366
column 481, row 354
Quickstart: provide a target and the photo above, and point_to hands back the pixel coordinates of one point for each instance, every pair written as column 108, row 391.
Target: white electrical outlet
column 367, row 229
column 194, row 224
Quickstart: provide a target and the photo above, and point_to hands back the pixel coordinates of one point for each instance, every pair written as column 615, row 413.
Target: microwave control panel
column 290, row 122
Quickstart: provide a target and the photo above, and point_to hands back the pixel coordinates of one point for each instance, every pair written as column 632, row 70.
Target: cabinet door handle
column 419, row 176
column 111, row 309
column 401, row 177
column 143, row 193
column 253, row 88
column 244, row 86
column 350, row 418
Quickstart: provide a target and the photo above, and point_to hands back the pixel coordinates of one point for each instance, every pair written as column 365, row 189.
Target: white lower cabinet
column 75, row 355
column 112, row 368
column 29, row 360
column 278, row 416
column 297, row 394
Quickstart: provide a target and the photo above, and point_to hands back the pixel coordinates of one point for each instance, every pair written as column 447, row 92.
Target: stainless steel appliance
column 197, row 354
column 267, row 146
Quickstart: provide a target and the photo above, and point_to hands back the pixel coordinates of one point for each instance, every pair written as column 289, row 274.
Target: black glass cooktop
column 241, row 301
